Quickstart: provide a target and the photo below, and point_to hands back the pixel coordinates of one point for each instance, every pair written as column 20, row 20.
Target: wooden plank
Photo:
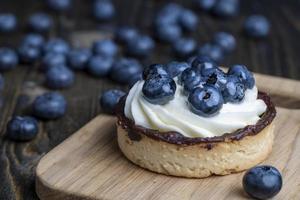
column 90, row 165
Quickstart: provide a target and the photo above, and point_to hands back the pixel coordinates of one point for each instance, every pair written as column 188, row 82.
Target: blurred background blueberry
column 168, row 32
column 99, row 66
column 52, row 59
column 8, row 59
column 22, row 128
column 124, row 68
column 225, row 40
column 51, row 105
column 8, row 22
column 205, row 5
column 141, row 46
column 59, row 77
column 34, row 39
column 124, row 34
column 184, row 47
column 29, row 54
column 226, row 8
column 257, row 26
column 103, row 10
column 212, row 51
column 78, row 58
column 59, row 5
column 188, row 20
column 105, row 47
column 109, row 100
column 40, row 22
column 57, row 45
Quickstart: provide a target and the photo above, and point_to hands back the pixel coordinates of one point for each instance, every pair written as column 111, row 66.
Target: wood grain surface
column 89, row 164
column 276, row 55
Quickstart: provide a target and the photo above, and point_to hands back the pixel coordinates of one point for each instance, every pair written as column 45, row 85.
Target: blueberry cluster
column 204, row 83
column 219, row 8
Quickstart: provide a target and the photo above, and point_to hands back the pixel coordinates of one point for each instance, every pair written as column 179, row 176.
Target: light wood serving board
column 89, row 164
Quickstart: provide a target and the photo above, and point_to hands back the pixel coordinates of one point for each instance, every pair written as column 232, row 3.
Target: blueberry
column 184, row 47
column 190, row 79
column 205, row 101
column 154, row 69
column 78, row 58
column 226, row 8
column 262, row 182
column 8, row 22
column 99, row 66
column 257, row 26
column 212, row 51
column 2, row 82
column 8, row 59
column 51, row 105
column 245, row 76
column 205, row 5
column 225, row 40
column 203, row 65
column 57, row 45
column 22, row 128
column 125, row 33
column 159, row 89
column 103, row 10
column 53, row 59
column 134, row 78
column 168, row 33
column 59, row 5
column 59, row 77
column 123, row 69
column 105, row 47
column 109, row 100
column 188, row 20
column 169, row 14
column 29, row 54
column 213, row 75
column 175, row 68
column 234, row 90
column 40, row 22
column 141, row 46
column 33, row 39
column 188, row 73
column 199, row 60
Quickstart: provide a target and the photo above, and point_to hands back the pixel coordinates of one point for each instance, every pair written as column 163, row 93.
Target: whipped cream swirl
column 176, row 116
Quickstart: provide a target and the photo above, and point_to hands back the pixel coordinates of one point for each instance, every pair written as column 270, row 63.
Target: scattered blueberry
column 40, row 22
column 245, row 76
column 57, row 45
column 159, row 89
column 53, row 59
column 225, row 40
column 234, row 90
column 226, row 8
column 213, row 51
column 29, row 54
column 33, row 39
column 175, row 68
column 103, row 10
column 205, row 5
column 153, row 70
column 257, row 26
column 184, row 47
column 59, row 77
column 141, row 46
column 262, row 182
column 188, row 20
column 8, row 59
column 22, row 128
column 109, row 100
column 125, row 33
column 134, row 78
column 99, row 66
column 105, row 47
column 8, row 22
column 2, row 82
column 169, row 14
column 124, row 68
column 78, row 58
column 168, row 32
column 59, row 5
column 51, row 105
column 205, row 101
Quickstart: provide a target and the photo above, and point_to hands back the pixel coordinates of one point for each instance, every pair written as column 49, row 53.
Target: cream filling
column 176, row 116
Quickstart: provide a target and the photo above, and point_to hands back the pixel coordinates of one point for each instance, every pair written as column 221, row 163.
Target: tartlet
column 171, row 153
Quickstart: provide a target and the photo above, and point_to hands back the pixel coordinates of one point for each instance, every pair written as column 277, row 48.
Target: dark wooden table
column 276, row 55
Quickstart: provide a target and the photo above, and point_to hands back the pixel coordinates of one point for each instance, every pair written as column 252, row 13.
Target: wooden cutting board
column 89, row 164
